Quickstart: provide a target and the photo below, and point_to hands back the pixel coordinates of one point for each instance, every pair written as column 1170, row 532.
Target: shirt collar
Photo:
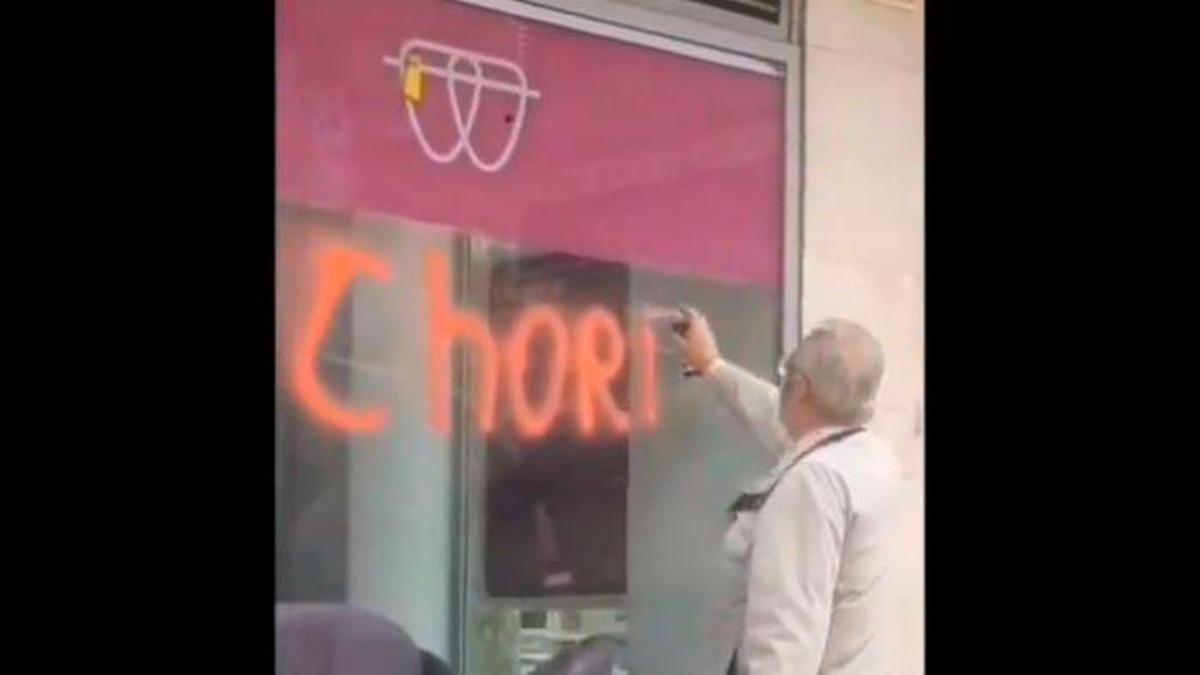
column 811, row 438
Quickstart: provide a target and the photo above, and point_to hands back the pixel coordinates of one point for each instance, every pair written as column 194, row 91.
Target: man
column 810, row 538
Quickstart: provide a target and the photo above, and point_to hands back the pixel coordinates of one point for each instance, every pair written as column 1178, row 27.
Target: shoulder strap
column 753, row 501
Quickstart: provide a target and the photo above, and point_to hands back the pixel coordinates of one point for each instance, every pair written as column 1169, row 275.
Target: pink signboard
column 531, row 133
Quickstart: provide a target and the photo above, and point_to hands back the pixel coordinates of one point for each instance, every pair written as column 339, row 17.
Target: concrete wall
column 864, row 230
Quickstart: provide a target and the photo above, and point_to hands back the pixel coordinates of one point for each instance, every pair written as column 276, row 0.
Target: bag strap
column 753, row 501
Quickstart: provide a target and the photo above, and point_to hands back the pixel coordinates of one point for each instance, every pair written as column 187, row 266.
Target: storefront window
column 484, row 435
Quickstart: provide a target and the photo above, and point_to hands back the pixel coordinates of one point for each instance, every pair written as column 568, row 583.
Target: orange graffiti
column 535, row 423
column 649, row 376
column 337, row 268
column 594, row 351
column 593, row 373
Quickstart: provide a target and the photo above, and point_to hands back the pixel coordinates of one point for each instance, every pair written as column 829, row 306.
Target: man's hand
column 696, row 341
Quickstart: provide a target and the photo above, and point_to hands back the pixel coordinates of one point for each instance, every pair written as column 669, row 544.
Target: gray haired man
column 810, row 538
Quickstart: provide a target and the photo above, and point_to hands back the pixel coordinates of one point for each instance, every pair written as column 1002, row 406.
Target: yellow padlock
column 414, row 84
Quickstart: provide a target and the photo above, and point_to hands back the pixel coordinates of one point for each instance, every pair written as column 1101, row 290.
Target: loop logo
column 419, row 58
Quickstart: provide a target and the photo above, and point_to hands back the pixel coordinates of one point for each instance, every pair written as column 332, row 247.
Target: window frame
column 676, row 16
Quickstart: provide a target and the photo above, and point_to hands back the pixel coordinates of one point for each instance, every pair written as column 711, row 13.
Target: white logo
column 449, row 72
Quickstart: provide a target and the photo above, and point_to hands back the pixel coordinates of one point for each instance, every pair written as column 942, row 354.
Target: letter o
column 535, row 422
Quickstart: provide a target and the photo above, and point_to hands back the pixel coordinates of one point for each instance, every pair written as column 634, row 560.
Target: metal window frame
column 684, row 9
column 729, row 44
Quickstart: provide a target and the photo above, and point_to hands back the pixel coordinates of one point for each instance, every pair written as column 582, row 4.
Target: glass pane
column 684, row 474
column 366, row 497
column 555, row 514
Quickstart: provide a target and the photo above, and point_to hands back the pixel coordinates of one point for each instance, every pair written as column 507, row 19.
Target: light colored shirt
column 815, row 556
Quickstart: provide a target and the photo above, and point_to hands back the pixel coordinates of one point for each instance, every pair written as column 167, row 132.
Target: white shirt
column 815, row 556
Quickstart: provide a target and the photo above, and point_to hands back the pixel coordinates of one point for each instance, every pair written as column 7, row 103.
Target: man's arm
column 793, row 572
column 753, row 400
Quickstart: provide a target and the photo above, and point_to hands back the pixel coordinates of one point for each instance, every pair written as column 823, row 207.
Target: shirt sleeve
column 793, row 571
column 754, row 401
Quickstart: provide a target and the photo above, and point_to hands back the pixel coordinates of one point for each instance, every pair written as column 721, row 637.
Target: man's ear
column 800, row 388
